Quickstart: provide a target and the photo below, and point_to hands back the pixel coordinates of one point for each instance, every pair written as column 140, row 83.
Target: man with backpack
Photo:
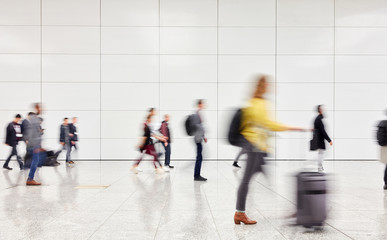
column 194, row 127
column 381, row 136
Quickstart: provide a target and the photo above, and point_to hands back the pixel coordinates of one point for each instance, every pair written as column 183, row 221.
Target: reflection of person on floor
column 147, row 146
column 14, row 135
column 255, row 124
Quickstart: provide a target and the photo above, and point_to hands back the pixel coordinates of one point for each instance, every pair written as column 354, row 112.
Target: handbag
column 313, row 142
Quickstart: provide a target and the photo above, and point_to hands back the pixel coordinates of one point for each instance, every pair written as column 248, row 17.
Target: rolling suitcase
column 311, row 199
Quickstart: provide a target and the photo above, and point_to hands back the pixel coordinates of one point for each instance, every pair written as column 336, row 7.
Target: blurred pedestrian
column 165, row 131
column 381, row 137
column 147, row 146
column 65, row 139
column 255, row 124
column 35, row 133
column 320, row 135
column 73, row 132
column 199, row 136
column 14, row 135
column 235, row 163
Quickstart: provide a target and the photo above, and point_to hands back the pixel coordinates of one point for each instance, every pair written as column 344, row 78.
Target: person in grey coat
column 199, row 137
column 34, row 136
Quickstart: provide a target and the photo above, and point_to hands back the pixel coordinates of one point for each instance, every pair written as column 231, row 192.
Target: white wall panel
column 130, row 12
column 188, row 40
column 360, row 96
column 130, row 40
column 305, row 40
column 10, row 95
column 74, row 96
column 70, row 68
column 372, row 13
column 234, row 95
column 361, row 69
column 305, row 68
column 71, row 40
column 130, row 68
column 356, row 149
column 20, row 12
column 129, row 96
column 306, row 13
column 177, row 68
column 353, row 124
column 247, row 13
column 132, row 120
column 304, row 96
column 188, row 13
column 243, row 68
column 183, row 96
column 246, row 40
column 19, row 39
column 70, row 12
column 20, row 67
column 361, row 41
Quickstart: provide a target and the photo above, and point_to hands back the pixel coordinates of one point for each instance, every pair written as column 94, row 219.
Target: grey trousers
column 255, row 160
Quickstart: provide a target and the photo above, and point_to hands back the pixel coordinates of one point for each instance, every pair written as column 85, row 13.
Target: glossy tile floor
column 173, row 206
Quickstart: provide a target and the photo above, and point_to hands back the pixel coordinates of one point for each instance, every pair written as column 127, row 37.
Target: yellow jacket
column 256, row 122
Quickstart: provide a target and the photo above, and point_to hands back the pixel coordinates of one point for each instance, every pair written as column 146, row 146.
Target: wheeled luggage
column 311, row 199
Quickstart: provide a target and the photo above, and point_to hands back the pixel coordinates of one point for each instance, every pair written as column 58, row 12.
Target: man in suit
column 65, row 139
column 321, row 135
column 73, row 132
column 164, row 129
column 199, row 137
column 14, row 135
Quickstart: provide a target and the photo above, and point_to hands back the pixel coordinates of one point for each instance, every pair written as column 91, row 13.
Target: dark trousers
column 199, row 159
column 385, row 175
column 254, row 165
column 167, row 154
column 14, row 153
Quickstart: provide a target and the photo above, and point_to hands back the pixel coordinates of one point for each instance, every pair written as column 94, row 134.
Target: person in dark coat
column 73, row 133
column 320, row 135
column 65, row 139
column 14, row 135
column 164, row 129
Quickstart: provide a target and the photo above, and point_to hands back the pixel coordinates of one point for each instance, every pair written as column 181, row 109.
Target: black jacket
column 11, row 139
column 320, row 132
column 62, row 136
column 73, row 130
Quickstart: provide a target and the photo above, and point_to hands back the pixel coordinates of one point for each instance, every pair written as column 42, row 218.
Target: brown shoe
column 241, row 217
column 33, row 183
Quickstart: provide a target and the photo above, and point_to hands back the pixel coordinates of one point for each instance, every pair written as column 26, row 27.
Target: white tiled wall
column 108, row 61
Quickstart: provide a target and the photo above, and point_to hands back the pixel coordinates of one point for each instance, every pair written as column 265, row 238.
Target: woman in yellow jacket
column 255, row 124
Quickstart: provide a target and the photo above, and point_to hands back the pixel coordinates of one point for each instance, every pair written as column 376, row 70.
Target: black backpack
column 381, row 134
column 235, row 136
column 189, row 126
